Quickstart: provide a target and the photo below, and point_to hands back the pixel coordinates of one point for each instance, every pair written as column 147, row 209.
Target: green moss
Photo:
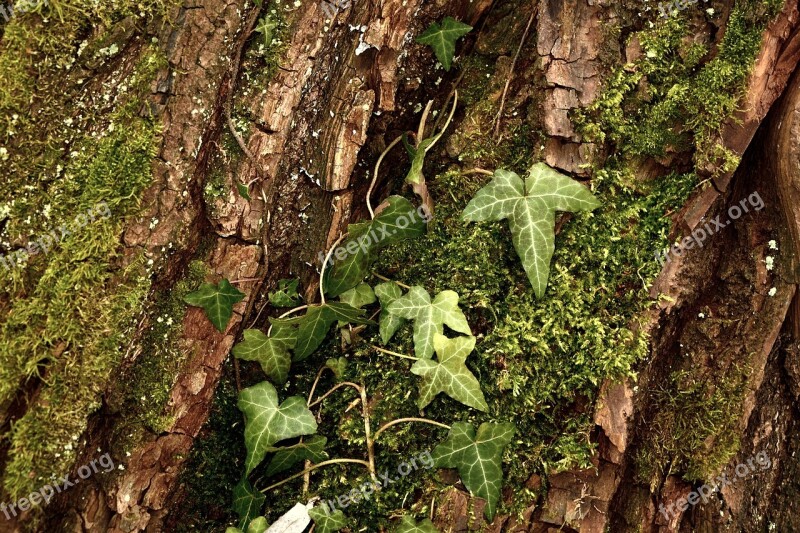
column 670, row 100
column 67, row 315
column 694, row 431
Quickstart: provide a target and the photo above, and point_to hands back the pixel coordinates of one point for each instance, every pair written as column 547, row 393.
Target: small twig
column 318, row 465
column 243, row 280
column 236, row 372
column 511, row 72
column 422, row 121
column 394, row 353
column 384, row 278
column 401, row 420
column 375, row 174
column 370, row 440
column 324, row 263
column 478, row 171
column 314, row 386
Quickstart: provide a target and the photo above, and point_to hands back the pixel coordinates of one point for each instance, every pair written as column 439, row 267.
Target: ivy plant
column 326, row 521
column 217, row 301
column 408, row 525
column 442, row 38
column 530, row 206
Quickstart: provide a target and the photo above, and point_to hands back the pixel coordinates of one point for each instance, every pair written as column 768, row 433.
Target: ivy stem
column 394, row 353
column 335, row 387
column 312, row 468
column 422, row 121
column 287, row 313
column 384, row 278
column 401, row 420
column 314, row 386
column 324, row 263
column 375, row 174
column 444, row 128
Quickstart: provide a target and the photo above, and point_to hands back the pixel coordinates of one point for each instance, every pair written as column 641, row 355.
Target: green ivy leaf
column 449, row 375
column 358, row 296
column 259, row 525
column 317, row 321
column 387, row 293
column 408, row 525
column 429, row 317
column 337, row 366
column 530, row 207
column 284, row 332
column 312, row 449
column 396, row 220
column 247, row 502
column 266, row 422
column 443, row 39
column 326, row 521
column 271, row 353
column 266, row 27
column 477, row 457
column 217, row 301
column 244, row 192
column 286, row 294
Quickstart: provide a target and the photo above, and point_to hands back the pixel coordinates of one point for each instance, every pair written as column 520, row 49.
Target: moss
column 66, row 315
column 694, row 432
column 673, row 99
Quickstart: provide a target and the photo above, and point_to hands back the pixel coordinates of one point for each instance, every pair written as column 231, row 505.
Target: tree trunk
column 300, row 117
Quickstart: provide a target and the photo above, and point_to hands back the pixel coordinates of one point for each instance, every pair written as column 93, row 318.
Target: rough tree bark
column 341, row 93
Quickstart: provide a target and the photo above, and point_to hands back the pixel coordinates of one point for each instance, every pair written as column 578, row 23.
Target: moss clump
column 669, row 100
column 67, row 315
column 694, row 430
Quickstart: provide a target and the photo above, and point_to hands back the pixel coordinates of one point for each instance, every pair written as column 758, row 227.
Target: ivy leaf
column 266, row 422
column 271, row 353
column 326, row 521
column 337, row 366
column 244, row 192
column 358, row 296
column 247, row 502
column 408, row 525
column 317, row 321
column 530, row 207
column 286, row 294
column 443, row 39
column 283, row 332
column 396, row 220
column 415, row 177
column 313, row 449
column 449, row 375
column 389, row 323
column 217, row 301
column 429, row 316
column 259, row 525
column 477, row 458
column 266, row 27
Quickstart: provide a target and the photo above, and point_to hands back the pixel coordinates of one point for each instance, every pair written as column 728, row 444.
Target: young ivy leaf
column 530, row 207
column 266, row 422
column 326, row 521
column 313, row 449
column 408, row 525
column 449, row 375
column 247, row 502
column 358, row 296
column 398, row 220
column 389, row 324
column 271, row 353
column 315, row 324
column 286, row 294
column 244, row 192
column 217, row 301
column 415, row 177
column 443, row 39
column 477, row 457
column 337, row 366
column 259, row 525
column 429, row 317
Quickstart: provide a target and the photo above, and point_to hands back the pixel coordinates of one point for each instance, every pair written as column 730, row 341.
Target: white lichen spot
column 772, row 245
column 772, row 291
column 770, row 262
